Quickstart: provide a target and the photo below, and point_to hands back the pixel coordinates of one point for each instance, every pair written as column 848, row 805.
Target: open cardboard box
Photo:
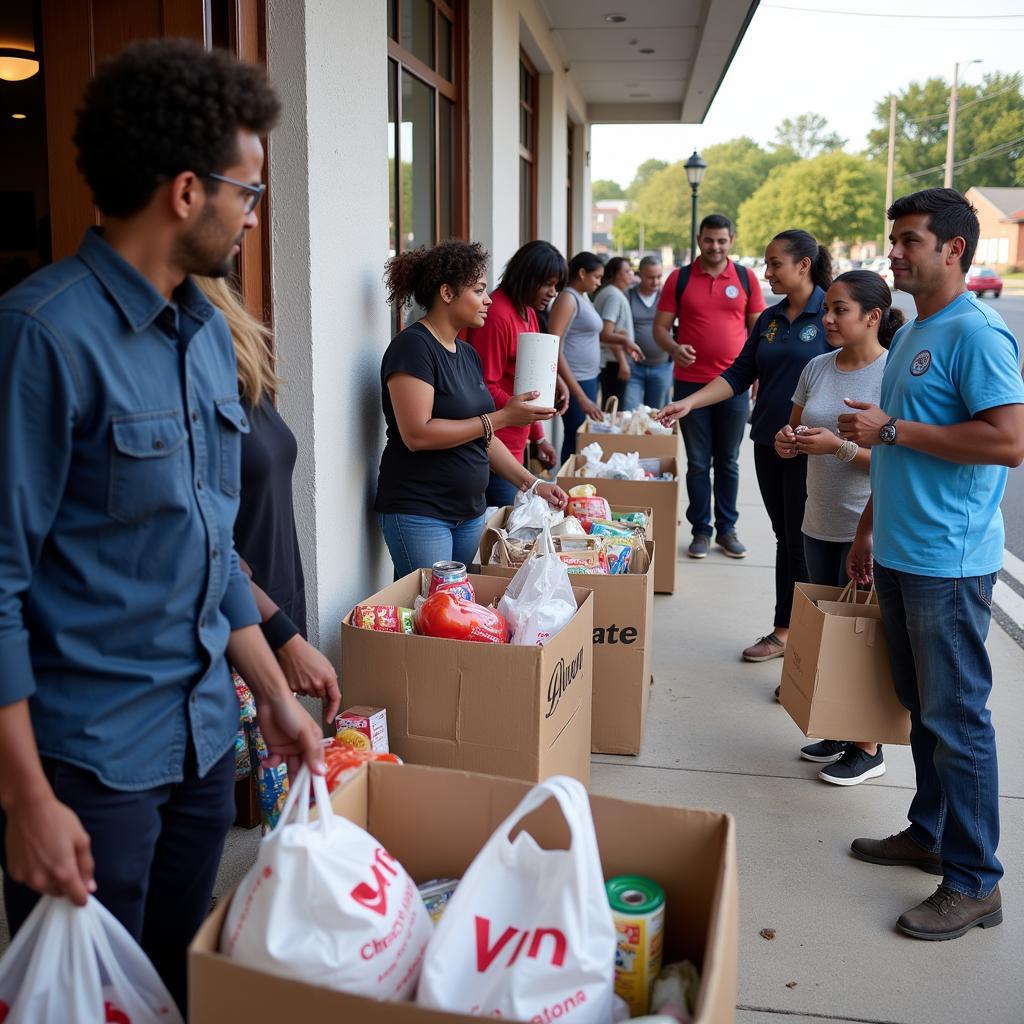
column 660, row 495
column 521, row 712
column 435, row 822
column 649, row 446
column 623, row 648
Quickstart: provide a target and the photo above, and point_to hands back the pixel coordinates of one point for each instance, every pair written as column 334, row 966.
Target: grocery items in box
column 385, row 618
column 528, row 934
column 588, row 507
column 341, row 760
column 363, row 727
column 642, row 420
column 325, row 903
column 435, row 895
column 271, row 792
column 570, row 526
column 452, row 577
column 620, row 466
column 444, row 615
column 638, row 908
column 530, row 514
column 675, row 990
column 638, row 519
column 539, row 601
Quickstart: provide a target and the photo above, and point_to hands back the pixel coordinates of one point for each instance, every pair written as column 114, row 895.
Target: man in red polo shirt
column 716, row 306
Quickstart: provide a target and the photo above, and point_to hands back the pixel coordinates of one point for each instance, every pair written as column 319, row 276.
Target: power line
column 994, row 151
column 911, row 17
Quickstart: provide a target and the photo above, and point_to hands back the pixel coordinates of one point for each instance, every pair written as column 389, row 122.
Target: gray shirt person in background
column 650, row 381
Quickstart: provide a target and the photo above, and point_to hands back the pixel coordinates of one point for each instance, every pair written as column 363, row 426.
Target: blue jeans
column 573, row 417
column 826, row 561
column 712, row 437
column 647, row 385
column 417, row 542
column 936, row 630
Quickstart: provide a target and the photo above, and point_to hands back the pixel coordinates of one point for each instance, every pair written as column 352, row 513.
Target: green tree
column 643, row 175
column 835, row 196
column 605, row 188
column 807, row 136
column 989, row 133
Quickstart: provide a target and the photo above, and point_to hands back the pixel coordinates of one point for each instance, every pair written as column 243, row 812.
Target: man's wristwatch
column 887, row 434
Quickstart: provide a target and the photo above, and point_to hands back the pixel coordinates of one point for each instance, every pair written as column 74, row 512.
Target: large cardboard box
column 836, row 680
column 523, row 712
column 435, row 822
column 623, row 645
column 660, row 495
column 649, row 446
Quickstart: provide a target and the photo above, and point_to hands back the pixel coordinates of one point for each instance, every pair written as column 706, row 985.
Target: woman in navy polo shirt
column 784, row 339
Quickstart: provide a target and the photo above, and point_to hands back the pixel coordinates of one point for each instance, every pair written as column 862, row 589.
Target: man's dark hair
column 163, row 106
column 531, row 266
column 649, row 261
column 950, row 215
column 716, row 221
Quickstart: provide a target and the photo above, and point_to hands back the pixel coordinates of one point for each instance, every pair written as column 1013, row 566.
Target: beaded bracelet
column 488, row 429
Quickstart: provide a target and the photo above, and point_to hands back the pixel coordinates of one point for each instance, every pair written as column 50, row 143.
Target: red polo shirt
column 712, row 318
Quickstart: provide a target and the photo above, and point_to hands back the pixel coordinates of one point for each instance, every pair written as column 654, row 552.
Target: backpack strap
column 682, row 279
column 744, row 275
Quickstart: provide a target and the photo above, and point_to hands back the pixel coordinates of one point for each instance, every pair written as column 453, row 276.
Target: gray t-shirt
column 580, row 343
column 611, row 303
column 644, row 309
column 836, row 491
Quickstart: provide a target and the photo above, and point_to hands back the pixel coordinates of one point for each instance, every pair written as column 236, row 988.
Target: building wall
column 1000, row 245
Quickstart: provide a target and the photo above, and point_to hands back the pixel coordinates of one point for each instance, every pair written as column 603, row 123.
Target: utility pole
column 890, row 167
column 951, row 132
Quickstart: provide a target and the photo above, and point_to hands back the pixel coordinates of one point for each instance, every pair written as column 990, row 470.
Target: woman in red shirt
column 532, row 278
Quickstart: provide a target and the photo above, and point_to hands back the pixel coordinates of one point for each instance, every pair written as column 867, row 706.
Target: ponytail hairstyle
column 531, row 266
column 419, row 273
column 585, row 261
column 870, row 292
column 803, row 245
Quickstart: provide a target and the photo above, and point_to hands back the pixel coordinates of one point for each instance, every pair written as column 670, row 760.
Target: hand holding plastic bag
column 71, row 963
column 539, row 601
column 530, row 514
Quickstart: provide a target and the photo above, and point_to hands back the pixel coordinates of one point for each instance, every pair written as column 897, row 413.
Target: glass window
column 416, row 146
column 418, row 29
column 392, row 142
column 391, row 18
column 446, row 168
column 527, row 150
column 525, row 201
column 444, row 46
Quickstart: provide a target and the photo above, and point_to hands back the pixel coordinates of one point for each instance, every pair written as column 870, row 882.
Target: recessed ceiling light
column 615, row 19
column 639, row 95
column 19, row 117
column 645, row 49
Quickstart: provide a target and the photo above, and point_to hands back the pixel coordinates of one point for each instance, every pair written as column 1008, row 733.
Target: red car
column 984, row 279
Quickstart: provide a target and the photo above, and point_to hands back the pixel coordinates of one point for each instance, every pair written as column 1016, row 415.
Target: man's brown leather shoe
column 897, row 849
column 947, row 914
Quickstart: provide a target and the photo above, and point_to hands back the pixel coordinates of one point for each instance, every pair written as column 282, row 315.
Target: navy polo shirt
column 775, row 353
column 120, row 439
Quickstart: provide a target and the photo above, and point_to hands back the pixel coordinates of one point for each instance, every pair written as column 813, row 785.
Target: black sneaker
column 824, row 751
column 854, row 767
column 731, row 545
column 699, row 546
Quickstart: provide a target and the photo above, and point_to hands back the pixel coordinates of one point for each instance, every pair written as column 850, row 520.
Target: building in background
column 1001, row 212
column 603, row 214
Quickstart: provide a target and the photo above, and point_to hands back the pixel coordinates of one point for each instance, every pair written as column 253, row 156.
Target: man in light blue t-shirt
column 951, row 421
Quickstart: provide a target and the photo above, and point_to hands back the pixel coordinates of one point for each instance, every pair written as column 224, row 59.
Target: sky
column 834, row 64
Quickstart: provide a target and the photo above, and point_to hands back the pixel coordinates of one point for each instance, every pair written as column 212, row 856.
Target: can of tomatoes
column 453, row 578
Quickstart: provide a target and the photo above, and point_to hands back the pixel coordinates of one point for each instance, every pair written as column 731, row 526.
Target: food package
column 321, row 892
column 675, row 990
column 444, row 615
column 609, row 528
column 619, row 555
column 582, row 491
column 342, row 760
column 385, row 618
column 584, row 563
column 570, row 526
column 435, row 895
column 587, row 508
column 530, row 514
column 363, row 727
column 632, row 518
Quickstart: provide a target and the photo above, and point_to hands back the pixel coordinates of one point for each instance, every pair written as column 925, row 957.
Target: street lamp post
column 695, row 168
column 951, row 132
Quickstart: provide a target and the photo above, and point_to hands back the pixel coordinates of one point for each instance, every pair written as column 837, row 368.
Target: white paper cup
column 537, row 367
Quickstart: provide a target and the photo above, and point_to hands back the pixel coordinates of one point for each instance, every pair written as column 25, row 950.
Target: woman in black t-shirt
column 440, row 416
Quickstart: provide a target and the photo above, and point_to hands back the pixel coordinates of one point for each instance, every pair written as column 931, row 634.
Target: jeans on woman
column 783, row 485
column 826, row 561
column 647, row 385
column 417, row 542
column 573, row 417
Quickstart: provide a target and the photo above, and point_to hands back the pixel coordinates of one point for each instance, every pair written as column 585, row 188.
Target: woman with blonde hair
column 265, row 536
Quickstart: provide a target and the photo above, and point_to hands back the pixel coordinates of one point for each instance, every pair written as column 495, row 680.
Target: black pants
column 610, row 383
column 156, row 851
column 783, row 484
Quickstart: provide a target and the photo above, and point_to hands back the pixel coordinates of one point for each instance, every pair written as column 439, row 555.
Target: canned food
column 638, row 908
column 436, row 894
column 453, row 578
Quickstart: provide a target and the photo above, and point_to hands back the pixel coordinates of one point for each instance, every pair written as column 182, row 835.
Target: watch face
column 888, row 434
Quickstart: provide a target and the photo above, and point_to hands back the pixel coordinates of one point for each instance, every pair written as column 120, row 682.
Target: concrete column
column 330, row 230
column 551, row 165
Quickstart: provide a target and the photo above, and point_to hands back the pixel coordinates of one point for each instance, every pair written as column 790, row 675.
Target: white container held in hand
column 537, row 367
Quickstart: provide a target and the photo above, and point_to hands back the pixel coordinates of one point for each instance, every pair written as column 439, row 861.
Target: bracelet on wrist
column 488, row 429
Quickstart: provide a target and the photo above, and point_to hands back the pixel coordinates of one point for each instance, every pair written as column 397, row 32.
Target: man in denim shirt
column 120, row 590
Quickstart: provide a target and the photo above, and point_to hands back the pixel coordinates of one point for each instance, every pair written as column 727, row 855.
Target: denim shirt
column 120, row 436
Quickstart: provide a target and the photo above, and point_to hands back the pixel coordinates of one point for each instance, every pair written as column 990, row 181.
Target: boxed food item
column 622, row 635
column 363, row 727
column 660, row 495
column 459, row 812
column 519, row 711
column 657, row 446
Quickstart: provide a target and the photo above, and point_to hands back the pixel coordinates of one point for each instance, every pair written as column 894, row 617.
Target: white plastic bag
column 528, row 934
column 71, row 963
column 327, row 904
column 530, row 514
column 539, row 601
column 620, row 466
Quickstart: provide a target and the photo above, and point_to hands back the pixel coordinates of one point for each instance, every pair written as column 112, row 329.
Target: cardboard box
column 523, row 712
column 660, row 495
column 435, row 822
column 649, row 446
column 836, row 680
column 363, row 721
column 623, row 646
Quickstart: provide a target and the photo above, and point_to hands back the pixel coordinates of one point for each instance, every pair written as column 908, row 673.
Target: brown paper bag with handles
column 836, row 679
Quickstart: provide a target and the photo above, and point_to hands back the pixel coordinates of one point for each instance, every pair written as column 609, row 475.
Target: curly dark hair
column 163, row 106
column 419, row 273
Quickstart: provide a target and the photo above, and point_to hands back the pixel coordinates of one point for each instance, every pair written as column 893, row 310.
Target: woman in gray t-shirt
column 859, row 321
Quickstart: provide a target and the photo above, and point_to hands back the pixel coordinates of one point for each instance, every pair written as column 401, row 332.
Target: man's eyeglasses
column 255, row 192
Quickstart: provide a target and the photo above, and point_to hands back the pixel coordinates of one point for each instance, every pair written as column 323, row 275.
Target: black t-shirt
column 445, row 484
column 265, row 528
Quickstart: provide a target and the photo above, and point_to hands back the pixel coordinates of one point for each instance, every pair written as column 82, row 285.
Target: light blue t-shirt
column 933, row 517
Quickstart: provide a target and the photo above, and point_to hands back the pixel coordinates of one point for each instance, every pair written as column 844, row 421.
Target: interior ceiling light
column 17, row 65
column 645, row 49
column 615, row 19
column 639, row 95
column 19, row 117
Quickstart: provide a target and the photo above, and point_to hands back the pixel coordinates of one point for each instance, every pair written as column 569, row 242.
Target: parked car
column 984, row 279
column 881, row 267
